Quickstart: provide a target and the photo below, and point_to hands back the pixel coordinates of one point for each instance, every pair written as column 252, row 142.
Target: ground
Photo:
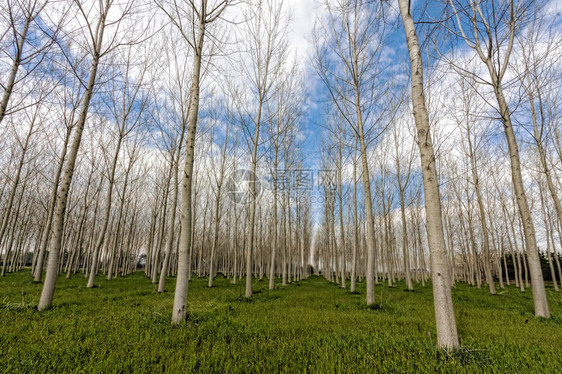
column 309, row 326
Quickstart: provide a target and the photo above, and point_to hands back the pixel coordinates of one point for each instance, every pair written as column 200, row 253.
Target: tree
column 192, row 22
column 95, row 28
column 539, row 79
column 264, row 46
column 127, row 106
column 403, row 173
column 21, row 18
column 219, row 181
column 179, row 101
column 347, row 59
column 447, row 337
column 470, row 146
column 285, row 105
column 494, row 27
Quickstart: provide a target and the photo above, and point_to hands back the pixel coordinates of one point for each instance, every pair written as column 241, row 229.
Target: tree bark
column 46, row 299
column 444, row 314
column 537, row 281
column 52, row 201
column 179, row 312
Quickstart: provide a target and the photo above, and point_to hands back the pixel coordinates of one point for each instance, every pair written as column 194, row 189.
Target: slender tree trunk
column 9, row 86
column 217, row 214
column 537, row 281
column 275, row 223
column 253, row 182
column 52, row 201
column 184, row 254
column 537, row 135
column 8, row 208
column 444, row 314
column 172, row 219
column 116, row 246
column 545, row 217
column 105, row 222
column 368, row 203
column 46, row 299
column 355, row 222
column 486, row 239
column 12, row 233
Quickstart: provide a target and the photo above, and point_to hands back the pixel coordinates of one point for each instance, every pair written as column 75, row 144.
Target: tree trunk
column 486, row 239
column 9, row 86
column 46, row 299
column 355, row 222
column 184, row 261
column 172, row 221
column 444, row 314
column 52, row 201
column 537, row 281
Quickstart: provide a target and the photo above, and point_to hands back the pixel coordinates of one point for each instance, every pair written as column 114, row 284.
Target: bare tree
column 96, row 19
column 191, row 21
column 447, row 337
column 264, row 43
column 20, row 17
column 127, row 106
column 347, row 58
column 490, row 28
column 218, row 190
column 469, row 117
column 179, row 100
column 403, row 163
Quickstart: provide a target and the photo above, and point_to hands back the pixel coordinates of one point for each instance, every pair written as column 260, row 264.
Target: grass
column 310, row 326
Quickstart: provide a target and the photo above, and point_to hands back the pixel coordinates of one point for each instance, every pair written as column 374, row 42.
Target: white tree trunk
column 537, row 281
column 46, row 299
column 444, row 314
column 179, row 311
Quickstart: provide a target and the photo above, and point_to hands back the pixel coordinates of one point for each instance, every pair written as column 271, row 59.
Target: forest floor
column 309, row 326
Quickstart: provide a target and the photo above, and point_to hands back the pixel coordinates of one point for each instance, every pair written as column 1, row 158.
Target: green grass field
column 310, row 326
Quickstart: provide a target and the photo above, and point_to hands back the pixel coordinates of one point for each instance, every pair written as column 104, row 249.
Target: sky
column 304, row 15
column 305, row 12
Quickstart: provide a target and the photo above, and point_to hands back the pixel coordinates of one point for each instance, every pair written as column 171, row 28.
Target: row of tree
column 170, row 136
column 489, row 62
